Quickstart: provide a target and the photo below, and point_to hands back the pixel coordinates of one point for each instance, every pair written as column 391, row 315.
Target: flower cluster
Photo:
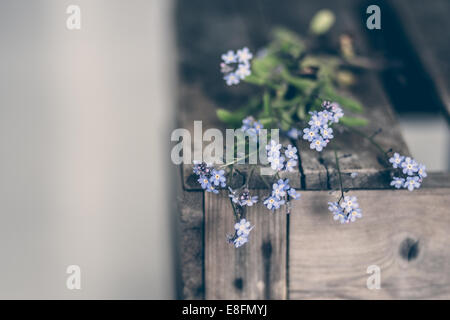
column 281, row 193
column 252, row 127
column 242, row 231
column 319, row 133
column 242, row 198
column 413, row 172
column 209, row 178
column 345, row 210
column 279, row 162
column 236, row 66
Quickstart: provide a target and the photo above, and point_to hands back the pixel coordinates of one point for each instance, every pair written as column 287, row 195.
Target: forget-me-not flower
column 409, row 166
column 396, row 160
column 240, row 241
column 243, row 228
column 290, row 165
column 278, row 190
column 318, row 144
column 293, row 194
column 243, row 71
column 273, row 149
column 327, row 133
column 397, row 182
column 244, row 55
column 412, row 183
column 229, row 57
column 273, row 203
column 422, row 171
column 231, row 79
column 310, row 134
column 349, row 203
column 291, row 152
column 276, row 163
column 217, row 177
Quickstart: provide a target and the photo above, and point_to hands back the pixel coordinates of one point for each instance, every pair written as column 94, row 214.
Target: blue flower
column 247, row 123
column 231, row 79
column 273, row 149
column 257, row 126
column 412, row 182
column 310, row 134
column 243, row 71
column 211, row 188
column 422, row 171
column 337, row 112
column 243, row 228
column 290, row 165
column 397, row 182
column 316, row 121
column 409, row 166
column 293, row 133
column 325, row 116
column 218, row 178
column 240, row 241
column 293, row 194
column 249, row 202
column 327, row 133
column 204, row 182
column 355, row 213
column 396, row 160
column 283, row 183
column 349, row 203
column 273, row 203
column 201, row 168
column 338, row 213
column 276, row 163
column 234, row 197
column 229, row 57
column 244, row 55
column 278, row 189
column 291, row 152
column 318, row 144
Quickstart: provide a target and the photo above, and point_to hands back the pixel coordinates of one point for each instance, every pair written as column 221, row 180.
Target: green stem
column 340, row 175
column 371, row 140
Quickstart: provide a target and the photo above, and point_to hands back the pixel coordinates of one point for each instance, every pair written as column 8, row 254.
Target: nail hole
column 409, row 249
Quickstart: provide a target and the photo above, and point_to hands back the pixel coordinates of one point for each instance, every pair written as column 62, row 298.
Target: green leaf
column 301, row 112
column 287, row 42
column 304, row 85
column 266, row 122
column 353, row 122
column 231, row 118
column 266, row 103
column 345, row 102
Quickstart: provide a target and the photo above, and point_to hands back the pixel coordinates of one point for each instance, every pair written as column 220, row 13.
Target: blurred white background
column 85, row 119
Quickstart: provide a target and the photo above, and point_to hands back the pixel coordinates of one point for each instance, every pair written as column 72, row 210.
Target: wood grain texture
column 256, row 270
column 405, row 233
column 190, row 244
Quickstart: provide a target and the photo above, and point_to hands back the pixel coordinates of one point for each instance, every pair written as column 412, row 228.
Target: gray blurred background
column 86, row 117
column 85, row 121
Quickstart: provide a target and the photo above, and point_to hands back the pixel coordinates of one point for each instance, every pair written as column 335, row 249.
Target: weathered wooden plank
column 256, row 270
column 426, row 25
column 404, row 233
column 190, row 244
